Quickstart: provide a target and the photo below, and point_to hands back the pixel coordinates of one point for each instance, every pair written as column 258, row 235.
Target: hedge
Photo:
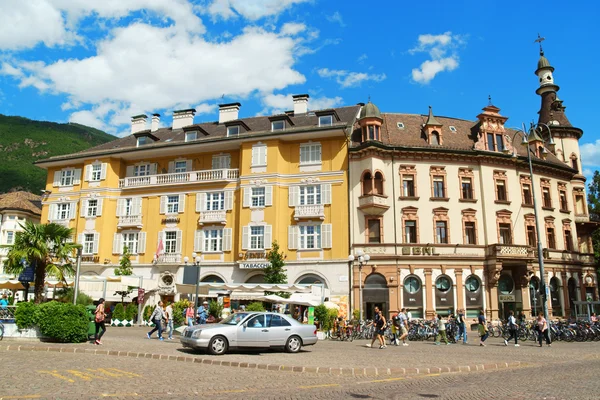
column 25, row 315
column 60, row 321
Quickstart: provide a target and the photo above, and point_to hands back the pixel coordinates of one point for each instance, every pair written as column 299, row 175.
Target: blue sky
column 99, row 62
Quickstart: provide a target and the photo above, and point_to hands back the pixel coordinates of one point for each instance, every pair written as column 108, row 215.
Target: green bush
column 25, row 315
column 63, row 321
column 215, row 309
column 131, row 311
column 66, row 296
column 255, row 306
column 321, row 314
column 178, row 308
column 148, row 312
column 119, row 312
column 325, row 316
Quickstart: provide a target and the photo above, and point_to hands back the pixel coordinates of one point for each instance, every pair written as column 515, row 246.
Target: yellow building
column 221, row 192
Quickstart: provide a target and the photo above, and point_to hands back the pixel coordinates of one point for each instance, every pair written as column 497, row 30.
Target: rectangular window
column 490, row 142
column 141, row 170
column 310, row 195
column 326, row 120
column 215, row 201
column 170, row 242
column 128, row 207
column 213, row 240
column 408, row 185
column 88, row 243
column 410, row 232
column 467, row 188
column 568, row 240
column 310, row 237
column 438, row 187
column 551, row 238
column 470, row 234
column 277, row 125
column 96, row 173
column 130, row 240
column 257, row 237
column 579, row 204
column 499, row 142
column 564, row 205
column 189, row 136
column 142, row 140
column 527, row 199
column 258, row 197
column 547, row 200
column 66, row 177
column 259, row 155
column 310, row 153
column 62, row 211
column 505, row 234
column 441, row 232
column 92, row 208
column 222, row 161
column 233, row 130
column 172, row 204
column 180, row 167
column 501, row 190
column 374, row 230
column 531, row 237
column 10, row 237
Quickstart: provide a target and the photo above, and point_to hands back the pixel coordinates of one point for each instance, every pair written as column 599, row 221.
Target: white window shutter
column 178, row 242
column 83, row 208
column 268, row 236
column 163, row 204
column 103, row 168
column 245, row 237
column 254, row 155
column 52, row 212
column 188, row 165
column 72, row 210
column 99, row 209
column 247, row 192
column 227, row 239
column 171, row 166
column 96, row 242
column 268, row 195
column 88, row 173
column 228, row 200
column 141, row 242
column 263, row 155
column 153, row 168
column 136, row 205
column 326, row 193
column 292, row 237
column 293, row 196
column 129, row 171
column 181, row 203
column 77, row 176
column 120, row 207
column 326, row 236
column 198, row 241
column 80, row 238
column 57, row 175
column 200, row 201
column 117, row 240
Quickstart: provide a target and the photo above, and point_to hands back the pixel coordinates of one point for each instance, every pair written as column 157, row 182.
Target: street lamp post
column 196, row 261
column 362, row 259
column 77, row 273
column 527, row 139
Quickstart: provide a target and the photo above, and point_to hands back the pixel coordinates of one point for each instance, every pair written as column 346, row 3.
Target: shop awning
column 11, row 284
column 204, row 287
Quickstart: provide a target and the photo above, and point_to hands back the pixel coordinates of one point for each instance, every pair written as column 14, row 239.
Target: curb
column 369, row 371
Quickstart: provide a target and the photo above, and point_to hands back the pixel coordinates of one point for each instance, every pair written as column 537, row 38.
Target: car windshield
column 234, row 319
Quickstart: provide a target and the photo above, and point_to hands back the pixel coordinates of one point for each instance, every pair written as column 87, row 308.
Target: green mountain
column 24, row 141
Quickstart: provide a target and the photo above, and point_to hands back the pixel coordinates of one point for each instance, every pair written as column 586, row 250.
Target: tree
column 594, row 211
column 125, row 268
column 47, row 247
column 275, row 273
column 124, row 293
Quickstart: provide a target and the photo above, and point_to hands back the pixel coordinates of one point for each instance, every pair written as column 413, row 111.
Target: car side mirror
column 245, row 325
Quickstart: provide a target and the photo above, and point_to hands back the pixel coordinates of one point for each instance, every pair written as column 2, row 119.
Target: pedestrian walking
column 482, row 328
column 99, row 318
column 542, row 328
column 441, row 332
column 169, row 316
column 158, row 315
column 395, row 329
column 203, row 313
column 189, row 314
column 379, row 323
column 512, row 328
column 461, row 324
column 403, row 326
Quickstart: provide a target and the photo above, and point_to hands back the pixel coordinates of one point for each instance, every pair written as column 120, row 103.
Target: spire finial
column 540, row 40
column 490, row 100
column 369, row 98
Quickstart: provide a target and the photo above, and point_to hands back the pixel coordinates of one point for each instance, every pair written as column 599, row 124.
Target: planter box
column 320, row 335
column 11, row 331
column 116, row 322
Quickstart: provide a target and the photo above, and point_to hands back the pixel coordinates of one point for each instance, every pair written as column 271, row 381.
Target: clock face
column 412, row 285
column 443, row 284
column 472, row 284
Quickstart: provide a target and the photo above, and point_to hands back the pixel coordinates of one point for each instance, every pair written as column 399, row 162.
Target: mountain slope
column 24, row 141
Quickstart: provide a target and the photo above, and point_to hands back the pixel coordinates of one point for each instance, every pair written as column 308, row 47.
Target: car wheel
column 218, row 346
column 293, row 344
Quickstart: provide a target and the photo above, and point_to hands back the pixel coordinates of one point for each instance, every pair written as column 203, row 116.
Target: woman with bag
column 99, row 320
column 542, row 328
column 482, row 328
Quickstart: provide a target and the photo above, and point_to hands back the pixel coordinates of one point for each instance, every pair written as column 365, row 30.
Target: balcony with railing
column 213, row 217
column 169, row 258
column 373, row 204
column 510, row 251
column 309, row 211
column 130, row 221
column 211, row 175
column 63, row 222
column 582, row 218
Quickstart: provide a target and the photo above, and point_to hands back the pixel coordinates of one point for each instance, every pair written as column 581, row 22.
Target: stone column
column 565, row 292
column 493, row 308
column 549, row 299
column 460, row 291
column 525, row 296
column 430, row 308
column 582, row 286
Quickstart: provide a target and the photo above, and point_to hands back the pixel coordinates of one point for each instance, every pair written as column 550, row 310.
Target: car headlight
column 196, row 334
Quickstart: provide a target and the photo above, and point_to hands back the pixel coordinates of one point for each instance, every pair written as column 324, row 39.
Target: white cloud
column 590, row 153
column 336, row 17
column 205, row 108
column 438, row 47
column 362, row 58
column 250, row 9
column 348, row 79
column 279, row 103
column 292, row 28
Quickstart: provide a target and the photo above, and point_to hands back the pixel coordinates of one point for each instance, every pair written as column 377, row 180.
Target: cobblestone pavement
column 39, row 375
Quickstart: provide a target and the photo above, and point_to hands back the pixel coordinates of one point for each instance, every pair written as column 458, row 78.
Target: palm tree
column 48, row 247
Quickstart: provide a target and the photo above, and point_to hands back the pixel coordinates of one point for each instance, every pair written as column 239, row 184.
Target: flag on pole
column 160, row 248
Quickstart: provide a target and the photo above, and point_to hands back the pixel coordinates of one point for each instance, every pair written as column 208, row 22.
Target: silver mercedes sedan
column 255, row 330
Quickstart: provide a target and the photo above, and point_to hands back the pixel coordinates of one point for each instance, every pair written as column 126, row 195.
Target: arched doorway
column 311, row 279
column 535, row 296
column 444, row 295
column 506, row 295
column 413, row 296
column 375, row 294
column 572, row 286
column 555, row 289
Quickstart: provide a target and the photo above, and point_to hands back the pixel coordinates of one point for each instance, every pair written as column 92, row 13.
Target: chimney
column 300, row 103
column 155, row 122
column 183, row 118
column 229, row 112
column 138, row 123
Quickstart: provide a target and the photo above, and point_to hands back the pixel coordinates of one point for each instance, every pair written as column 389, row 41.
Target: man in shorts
column 403, row 326
column 379, row 323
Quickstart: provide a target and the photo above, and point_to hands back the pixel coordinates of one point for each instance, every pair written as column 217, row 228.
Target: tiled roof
column 21, row 201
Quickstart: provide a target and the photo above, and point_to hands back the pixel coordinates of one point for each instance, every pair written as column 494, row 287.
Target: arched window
column 506, row 285
column 435, row 138
column 472, row 284
column 311, row 279
column 256, row 279
column 443, row 283
column 212, row 279
column 412, row 284
column 574, row 163
column 375, row 281
column 378, row 184
column 367, row 183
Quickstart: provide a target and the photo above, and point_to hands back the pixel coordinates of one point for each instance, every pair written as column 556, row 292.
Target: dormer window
column 233, row 130
column 277, row 126
column 326, row 120
column 143, row 140
column 495, row 142
column 452, row 128
column 400, row 125
column 435, row 138
column 189, row 136
column 372, row 132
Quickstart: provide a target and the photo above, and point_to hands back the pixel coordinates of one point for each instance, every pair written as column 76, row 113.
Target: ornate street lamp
column 362, row 259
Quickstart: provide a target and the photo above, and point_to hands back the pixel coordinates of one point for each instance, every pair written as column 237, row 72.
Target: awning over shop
column 11, row 284
column 204, row 287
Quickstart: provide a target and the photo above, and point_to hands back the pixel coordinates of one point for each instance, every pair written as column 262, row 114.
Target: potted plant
column 118, row 315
